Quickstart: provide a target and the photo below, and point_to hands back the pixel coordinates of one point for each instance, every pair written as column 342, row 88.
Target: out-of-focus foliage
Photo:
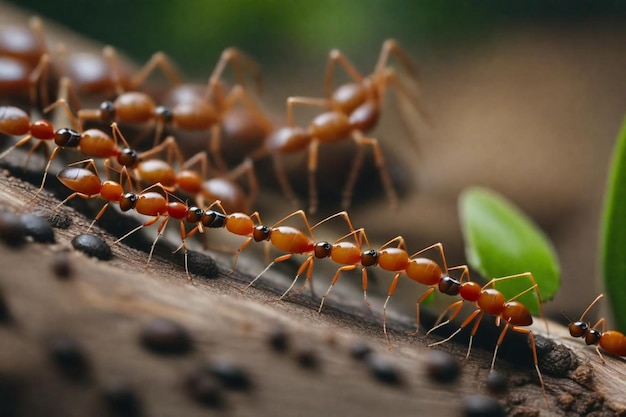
column 614, row 233
column 194, row 32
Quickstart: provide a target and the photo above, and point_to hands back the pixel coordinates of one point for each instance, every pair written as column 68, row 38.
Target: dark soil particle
column 199, row 264
column 165, row 337
column 38, row 228
column 230, row 375
column 12, row 230
column 202, row 387
column 59, row 221
column 554, row 359
column 383, row 370
column 69, row 357
column 5, row 313
column 121, row 399
column 61, row 265
column 279, row 340
column 481, row 406
column 307, row 358
column 496, row 383
column 442, row 367
column 359, row 350
column 93, row 246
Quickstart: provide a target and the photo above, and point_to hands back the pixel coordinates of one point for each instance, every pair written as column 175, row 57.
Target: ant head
column 66, row 138
column 578, row 328
column 165, row 114
column 128, row 157
column 261, row 233
column 449, row 286
column 128, row 201
column 592, row 337
column 213, row 219
column 369, row 257
column 107, row 111
column 194, row 214
column 322, row 250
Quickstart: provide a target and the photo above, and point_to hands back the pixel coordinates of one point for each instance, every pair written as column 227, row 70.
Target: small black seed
column 382, row 369
column 482, row 406
column 199, row 264
column 279, row 340
column 12, row 230
column 38, row 228
column 230, row 375
column 307, row 358
column 202, row 387
column 92, row 245
column 68, row 356
column 121, row 399
column 165, row 337
column 442, row 367
column 359, row 350
column 496, row 383
column 61, row 265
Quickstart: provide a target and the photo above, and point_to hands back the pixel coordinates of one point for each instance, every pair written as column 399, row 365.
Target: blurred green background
column 277, row 32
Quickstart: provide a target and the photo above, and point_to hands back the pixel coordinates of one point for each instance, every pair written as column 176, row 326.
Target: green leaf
column 614, row 233
column 501, row 241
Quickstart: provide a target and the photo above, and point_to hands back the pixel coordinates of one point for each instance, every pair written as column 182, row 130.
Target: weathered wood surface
column 104, row 305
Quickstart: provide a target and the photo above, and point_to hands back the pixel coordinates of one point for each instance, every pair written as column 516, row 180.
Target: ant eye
column 107, row 111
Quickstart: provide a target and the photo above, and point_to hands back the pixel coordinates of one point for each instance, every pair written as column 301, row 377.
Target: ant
column 91, row 142
column 218, row 187
column 488, row 299
column 85, row 183
column 188, row 111
column 24, row 62
column 611, row 341
column 352, row 110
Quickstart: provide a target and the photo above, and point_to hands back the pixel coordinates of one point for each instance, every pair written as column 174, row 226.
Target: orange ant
column 611, row 341
column 91, row 142
column 24, row 62
column 488, row 299
column 86, row 183
column 218, row 187
column 188, row 111
column 353, row 109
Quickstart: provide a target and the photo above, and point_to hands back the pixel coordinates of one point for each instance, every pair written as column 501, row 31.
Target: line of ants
column 350, row 110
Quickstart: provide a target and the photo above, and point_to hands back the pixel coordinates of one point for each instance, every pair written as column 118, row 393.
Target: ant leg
column 333, row 282
column 161, row 61
column 455, row 307
column 476, row 313
column 392, row 289
column 281, row 177
column 533, row 347
column 390, row 46
column 305, row 101
column 21, row 142
column 312, row 167
column 238, row 60
column 38, row 79
column 335, row 57
column 417, row 310
column 169, row 146
column 246, row 167
column 380, row 164
column 76, row 124
column 439, row 247
column 308, row 263
column 357, row 163
column 276, row 260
